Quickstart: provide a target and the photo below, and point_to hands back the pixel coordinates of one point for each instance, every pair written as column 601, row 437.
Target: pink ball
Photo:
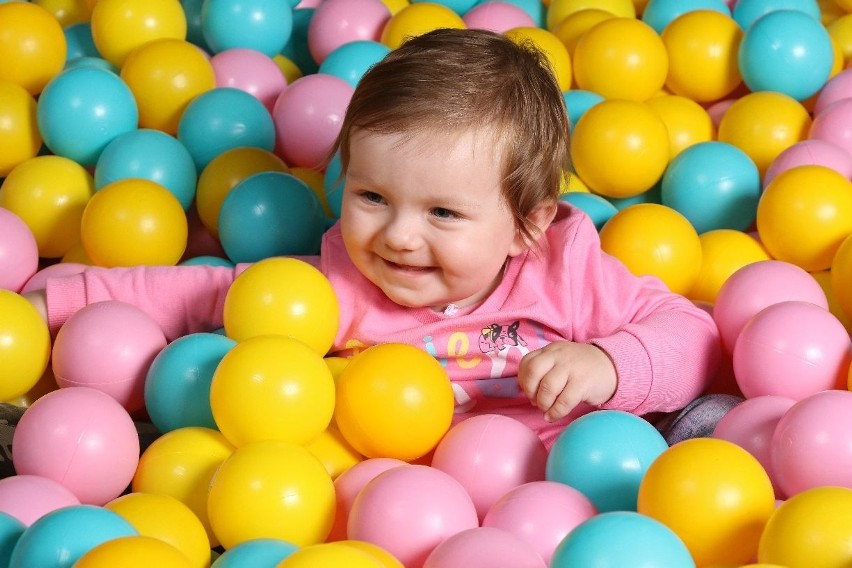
column 250, row 71
column 484, row 547
column 81, row 438
column 756, row 286
column 812, row 443
column 793, row 349
column 58, row 270
column 30, row 497
column 836, row 88
column 718, row 109
column 348, row 484
column 498, row 17
column 750, row 425
column 336, row 22
column 108, row 346
column 834, row 124
column 810, row 152
column 18, row 252
column 409, row 511
column 308, row 115
column 542, row 513
column 489, row 455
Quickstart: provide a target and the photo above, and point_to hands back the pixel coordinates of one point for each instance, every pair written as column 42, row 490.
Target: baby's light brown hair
column 448, row 81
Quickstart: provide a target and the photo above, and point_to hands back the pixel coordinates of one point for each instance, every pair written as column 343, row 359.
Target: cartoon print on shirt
column 497, row 340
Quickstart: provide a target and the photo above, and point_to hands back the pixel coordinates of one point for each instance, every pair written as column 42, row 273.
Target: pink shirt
column 664, row 348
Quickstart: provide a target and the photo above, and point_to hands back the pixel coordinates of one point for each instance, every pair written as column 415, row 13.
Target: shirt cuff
column 632, row 367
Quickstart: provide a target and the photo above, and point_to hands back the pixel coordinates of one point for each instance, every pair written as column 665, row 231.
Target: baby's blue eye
column 442, row 213
column 372, row 197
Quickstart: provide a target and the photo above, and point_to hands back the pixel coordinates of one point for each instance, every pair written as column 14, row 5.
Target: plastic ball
column 108, row 346
column 577, row 102
column 330, row 554
column 11, row 530
column 62, row 537
column 818, row 515
column 394, row 400
column 335, row 453
column 165, row 75
column 250, row 71
column 656, row 240
column 598, row 208
column 167, row 520
column 804, row 214
column 181, row 464
column 484, row 547
column 715, row 185
column 824, row 278
column 262, row 25
column 271, row 489
column 497, row 16
column 621, row 58
column 622, row 538
column 286, row 217
column 407, row 523
column 749, row 11
column 756, row 286
column 490, row 454
column 571, row 29
column 223, row 173
column 815, row 152
column 296, row 50
column 786, row 51
column 333, row 183
column 764, row 124
column 81, row 438
column 177, row 384
column 78, row 38
column 27, row 498
column 134, row 221
column 282, row 296
column 687, row 121
column 32, row 46
column 222, row 119
column 20, row 139
column 417, row 19
column 558, row 10
column 351, row 60
column 830, row 124
column 18, row 251
column 385, row 558
column 338, row 22
column 135, row 552
column 841, row 276
column 660, row 13
column 308, row 116
column 605, row 454
column 553, row 49
column 120, row 26
column 713, row 494
column 723, row 252
column 259, row 552
column 82, row 110
column 835, row 89
column 24, row 345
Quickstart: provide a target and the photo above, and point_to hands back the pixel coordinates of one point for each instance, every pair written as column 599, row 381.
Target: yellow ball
column 331, row 554
column 652, row 239
column 702, row 49
column 713, row 494
column 841, row 275
column 394, row 401
column 165, row 75
column 555, row 51
column 181, row 464
column 417, row 19
column 32, row 46
column 167, row 519
column 387, row 559
column 621, row 58
column 223, row 173
column 723, row 252
column 395, row 6
column 50, row 194
column 571, row 29
column 66, row 12
column 810, row 529
column 20, row 138
column 804, row 214
column 687, row 121
column 134, row 221
column 283, row 296
column 764, row 124
column 840, row 31
column 288, row 68
column 120, row 26
column 316, row 181
column 24, row 345
column 133, row 552
column 271, row 489
column 558, row 10
column 627, row 133
column 335, row 453
column 272, row 387
column 823, row 278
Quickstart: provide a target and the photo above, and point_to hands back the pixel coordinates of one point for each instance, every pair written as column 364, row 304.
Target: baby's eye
column 442, row 213
column 372, row 197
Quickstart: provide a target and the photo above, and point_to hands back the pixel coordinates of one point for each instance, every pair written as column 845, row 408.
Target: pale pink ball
column 336, row 22
column 18, row 252
column 810, row 152
column 58, row 270
column 30, row 497
column 498, row 17
column 834, row 124
column 836, row 88
column 484, row 547
column 250, row 71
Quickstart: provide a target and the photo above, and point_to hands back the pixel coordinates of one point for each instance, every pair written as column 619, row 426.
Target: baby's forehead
column 434, row 140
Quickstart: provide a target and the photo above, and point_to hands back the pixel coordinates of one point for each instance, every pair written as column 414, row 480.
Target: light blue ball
column 152, row 155
column 577, row 102
column 177, row 386
column 207, row 260
column 460, row 7
column 256, row 553
column 604, row 455
column 596, row 207
column 659, row 13
column 271, row 214
column 333, row 182
column 11, row 530
column 78, row 38
column 83, row 109
column 622, row 538
column 653, row 195
column 786, row 51
column 194, row 28
column 223, row 119
column 715, row 185
column 746, row 12
column 91, row 61
column 351, row 60
column 262, row 25
column 59, row 538
column 296, row 49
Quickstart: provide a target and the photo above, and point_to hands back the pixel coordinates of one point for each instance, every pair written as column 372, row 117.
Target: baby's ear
column 541, row 217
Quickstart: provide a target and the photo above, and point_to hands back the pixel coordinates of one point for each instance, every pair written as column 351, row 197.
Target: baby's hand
column 561, row 375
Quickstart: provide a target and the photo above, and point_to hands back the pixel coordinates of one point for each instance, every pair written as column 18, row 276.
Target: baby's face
column 423, row 217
